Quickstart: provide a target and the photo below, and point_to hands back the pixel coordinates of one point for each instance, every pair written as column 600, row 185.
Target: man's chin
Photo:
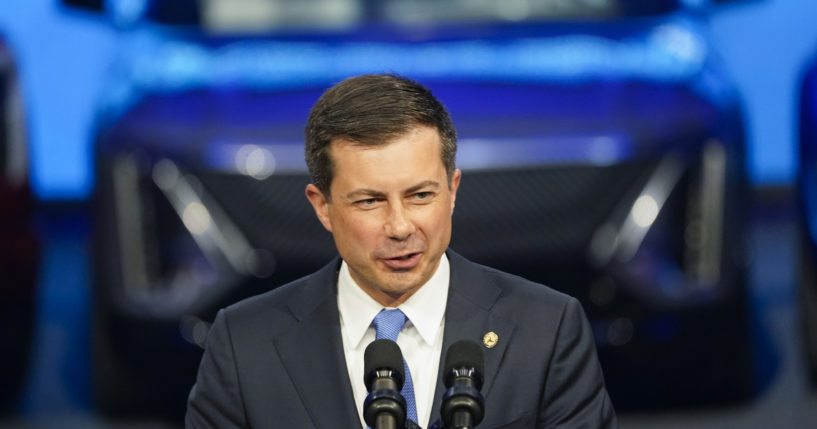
column 397, row 290
column 405, row 283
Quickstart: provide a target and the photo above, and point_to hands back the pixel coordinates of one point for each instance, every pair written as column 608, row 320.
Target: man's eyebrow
column 424, row 184
column 363, row 192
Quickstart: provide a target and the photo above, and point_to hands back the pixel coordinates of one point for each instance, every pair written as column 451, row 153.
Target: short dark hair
column 373, row 110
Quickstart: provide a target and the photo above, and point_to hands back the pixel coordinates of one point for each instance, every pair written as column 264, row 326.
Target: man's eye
column 367, row 201
column 422, row 195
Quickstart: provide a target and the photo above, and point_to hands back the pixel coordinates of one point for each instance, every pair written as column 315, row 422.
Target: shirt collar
column 425, row 309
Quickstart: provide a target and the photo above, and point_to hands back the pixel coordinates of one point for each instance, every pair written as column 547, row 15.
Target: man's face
column 390, row 213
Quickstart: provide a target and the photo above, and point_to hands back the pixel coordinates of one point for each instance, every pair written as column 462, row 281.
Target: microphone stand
column 384, row 405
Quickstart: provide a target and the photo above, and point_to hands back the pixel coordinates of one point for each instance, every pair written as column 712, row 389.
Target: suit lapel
column 468, row 316
column 312, row 353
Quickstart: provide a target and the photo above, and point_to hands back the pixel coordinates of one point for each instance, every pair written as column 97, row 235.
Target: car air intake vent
column 538, row 214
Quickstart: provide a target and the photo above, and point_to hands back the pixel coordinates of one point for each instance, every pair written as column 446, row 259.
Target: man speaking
column 381, row 151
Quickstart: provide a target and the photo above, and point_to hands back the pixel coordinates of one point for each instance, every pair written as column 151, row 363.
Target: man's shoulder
column 274, row 298
column 509, row 284
column 510, row 295
column 282, row 303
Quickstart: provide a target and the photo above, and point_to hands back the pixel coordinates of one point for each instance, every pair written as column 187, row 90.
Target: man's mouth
column 403, row 262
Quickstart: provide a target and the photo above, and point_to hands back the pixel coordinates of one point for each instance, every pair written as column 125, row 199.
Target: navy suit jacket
column 276, row 360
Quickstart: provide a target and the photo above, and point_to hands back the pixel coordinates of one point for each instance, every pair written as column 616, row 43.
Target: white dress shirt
column 421, row 339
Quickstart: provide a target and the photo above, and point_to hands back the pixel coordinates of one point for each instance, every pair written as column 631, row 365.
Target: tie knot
column 388, row 324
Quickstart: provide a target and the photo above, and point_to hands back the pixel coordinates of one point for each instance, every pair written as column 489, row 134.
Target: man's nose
column 399, row 225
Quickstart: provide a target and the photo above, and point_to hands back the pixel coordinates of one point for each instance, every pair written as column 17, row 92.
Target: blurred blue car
column 603, row 158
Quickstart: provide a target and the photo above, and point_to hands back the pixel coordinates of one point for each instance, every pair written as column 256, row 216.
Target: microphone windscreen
column 463, row 354
column 383, row 354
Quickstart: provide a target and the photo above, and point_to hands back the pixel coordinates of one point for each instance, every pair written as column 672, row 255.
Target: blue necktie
column 388, row 324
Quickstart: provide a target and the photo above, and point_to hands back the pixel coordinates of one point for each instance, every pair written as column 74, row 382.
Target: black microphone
column 463, row 406
column 384, row 407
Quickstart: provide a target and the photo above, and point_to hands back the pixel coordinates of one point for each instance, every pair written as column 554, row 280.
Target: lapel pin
column 490, row 339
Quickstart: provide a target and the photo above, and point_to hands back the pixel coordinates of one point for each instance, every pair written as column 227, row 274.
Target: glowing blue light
column 126, row 12
column 672, row 52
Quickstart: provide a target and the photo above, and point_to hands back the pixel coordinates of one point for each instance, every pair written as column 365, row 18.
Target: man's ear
column 453, row 186
column 320, row 204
